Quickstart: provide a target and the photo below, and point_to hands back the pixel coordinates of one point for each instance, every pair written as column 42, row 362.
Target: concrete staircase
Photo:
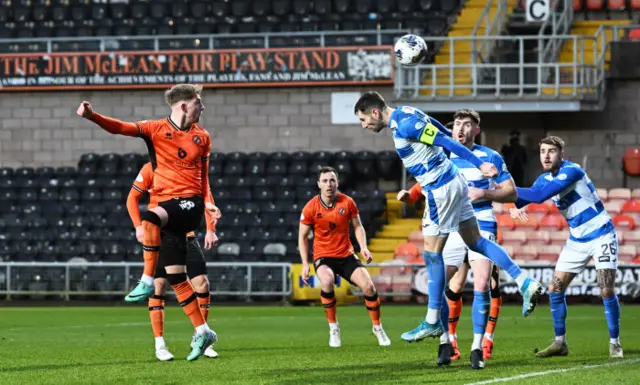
column 463, row 27
column 567, row 55
column 394, row 233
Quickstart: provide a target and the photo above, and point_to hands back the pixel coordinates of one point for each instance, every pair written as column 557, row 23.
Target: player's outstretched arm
column 539, row 192
column 441, row 127
column 112, row 126
column 505, row 191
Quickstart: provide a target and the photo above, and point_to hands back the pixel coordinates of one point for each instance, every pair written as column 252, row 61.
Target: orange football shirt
column 330, row 226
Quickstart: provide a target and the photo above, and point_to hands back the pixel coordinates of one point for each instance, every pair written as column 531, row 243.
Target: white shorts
column 446, row 207
column 455, row 250
column 575, row 256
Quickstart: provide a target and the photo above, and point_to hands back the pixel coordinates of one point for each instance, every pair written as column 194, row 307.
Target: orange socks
column 187, row 298
column 204, row 300
column 151, row 247
column 455, row 309
column 329, row 302
column 156, row 313
column 373, row 306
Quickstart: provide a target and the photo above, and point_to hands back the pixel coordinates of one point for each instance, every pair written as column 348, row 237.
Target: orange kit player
column 330, row 214
column 179, row 149
column 195, row 263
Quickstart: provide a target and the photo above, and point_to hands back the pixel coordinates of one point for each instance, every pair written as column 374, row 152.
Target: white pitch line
column 536, row 374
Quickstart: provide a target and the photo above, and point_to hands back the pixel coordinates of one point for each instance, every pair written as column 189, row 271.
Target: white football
column 410, row 50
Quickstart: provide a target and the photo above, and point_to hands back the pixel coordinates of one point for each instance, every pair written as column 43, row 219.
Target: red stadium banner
column 312, row 66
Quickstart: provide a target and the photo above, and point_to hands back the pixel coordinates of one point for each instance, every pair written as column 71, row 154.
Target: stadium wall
column 41, row 128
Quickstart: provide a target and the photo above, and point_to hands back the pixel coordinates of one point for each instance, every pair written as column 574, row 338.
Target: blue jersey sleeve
column 452, row 146
column 540, row 192
column 503, row 171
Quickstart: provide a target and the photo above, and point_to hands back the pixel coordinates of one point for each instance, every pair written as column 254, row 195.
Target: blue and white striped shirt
column 575, row 196
column 483, row 209
column 413, row 136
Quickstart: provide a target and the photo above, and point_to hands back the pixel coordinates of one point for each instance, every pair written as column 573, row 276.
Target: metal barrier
column 94, row 279
column 493, row 25
column 559, row 23
column 203, row 42
column 537, row 80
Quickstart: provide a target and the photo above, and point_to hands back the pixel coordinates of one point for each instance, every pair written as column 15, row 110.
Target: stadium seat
column 549, row 253
column 538, row 210
column 553, row 222
column 619, row 194
column 505, row 222
column 630, row 237
column 631, row 206
column 627, row 252
column 613, row 207
column 631, row 161
column 530, row 225
column 538, row 238
column 407, row 250
column 603, row 194
column 616, row 5
column 624, row 221
column 514, row 238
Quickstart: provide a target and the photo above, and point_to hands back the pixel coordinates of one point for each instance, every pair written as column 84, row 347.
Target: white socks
column 147, row 279
column 159, row 342
column 433, row 316
column 477, row 342
column 520, row 279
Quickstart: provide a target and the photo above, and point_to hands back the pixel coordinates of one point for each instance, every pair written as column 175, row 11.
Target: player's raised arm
column 112, row 126
column 539, row 192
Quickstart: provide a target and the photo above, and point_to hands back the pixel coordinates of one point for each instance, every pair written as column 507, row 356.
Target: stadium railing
column 558, row 23
column 491, row 24
column 58, row 277
column 203, row 42
column 585, row 82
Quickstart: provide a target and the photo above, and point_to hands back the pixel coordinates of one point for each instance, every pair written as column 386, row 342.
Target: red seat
column 635, row 193
column 624, row 221
column 631, row 206
column 616, row 5
column 577, row 5
column 531, row 224
column 407, row 249
column 505, row 222
column 635, row 4
column 595, row 5
column 634, row 34
column 631, row 161
column 631, row 238
column 538, row 210
column 559, row 237
column 553, row 221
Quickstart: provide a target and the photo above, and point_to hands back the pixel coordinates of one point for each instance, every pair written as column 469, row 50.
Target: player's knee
column 149, row 218
column 607, row 292
column 200, row 284
column 160, row 286
column 368, row 289
column 455, row 286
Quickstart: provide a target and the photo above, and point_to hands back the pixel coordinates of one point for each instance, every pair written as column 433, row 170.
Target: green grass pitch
column 289, row 345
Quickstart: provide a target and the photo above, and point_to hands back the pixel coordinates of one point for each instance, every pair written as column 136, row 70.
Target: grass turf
column 289, row 345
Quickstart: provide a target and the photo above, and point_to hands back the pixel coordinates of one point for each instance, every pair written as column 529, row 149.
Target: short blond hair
column 555, row 141
column 182, row 92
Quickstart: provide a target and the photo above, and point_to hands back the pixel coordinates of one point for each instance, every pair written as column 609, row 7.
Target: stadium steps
column 584, row 28
column 394, row 233
column 467, row 20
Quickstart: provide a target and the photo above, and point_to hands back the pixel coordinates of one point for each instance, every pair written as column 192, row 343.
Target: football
column 410, row 50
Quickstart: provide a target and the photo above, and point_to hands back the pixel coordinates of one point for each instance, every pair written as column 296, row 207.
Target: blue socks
column 558, row 304
column 497, row 254
column 480, row 310
column 612, row 313
column 436, row 276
